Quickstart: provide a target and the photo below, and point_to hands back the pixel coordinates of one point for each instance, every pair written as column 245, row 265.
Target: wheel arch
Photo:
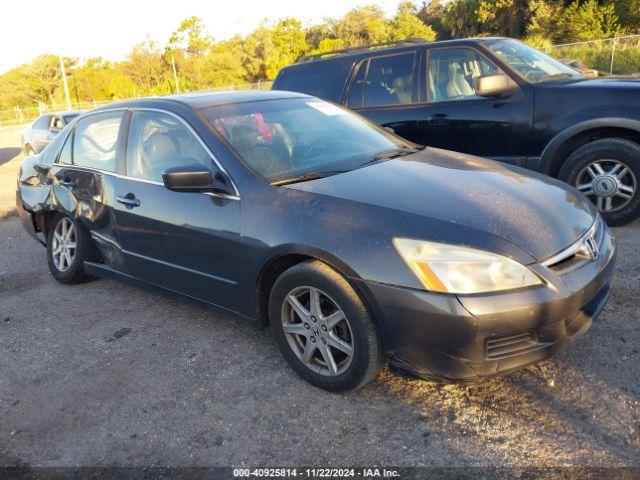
column 287, row 257
column 572, row 138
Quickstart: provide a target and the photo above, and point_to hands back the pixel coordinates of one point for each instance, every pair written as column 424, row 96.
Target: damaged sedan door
column 85, row 175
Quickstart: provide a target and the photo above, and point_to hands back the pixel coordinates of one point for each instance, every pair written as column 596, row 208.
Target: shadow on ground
column 8, row 154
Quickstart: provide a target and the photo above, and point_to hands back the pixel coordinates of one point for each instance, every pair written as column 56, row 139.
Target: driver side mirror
column 190, row 178
column 496, row 85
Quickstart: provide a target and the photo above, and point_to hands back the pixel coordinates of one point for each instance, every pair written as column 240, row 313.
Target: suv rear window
column 324, row 79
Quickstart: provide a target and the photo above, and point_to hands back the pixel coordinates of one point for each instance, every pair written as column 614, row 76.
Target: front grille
column 512, row 344
column 575, row 255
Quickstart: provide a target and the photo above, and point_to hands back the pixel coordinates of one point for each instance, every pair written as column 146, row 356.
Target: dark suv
column 497, row 98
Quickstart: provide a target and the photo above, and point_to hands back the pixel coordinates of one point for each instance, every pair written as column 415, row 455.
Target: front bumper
column 467, row 337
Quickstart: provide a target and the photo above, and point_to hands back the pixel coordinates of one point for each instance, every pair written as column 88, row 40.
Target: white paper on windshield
column 326, row 108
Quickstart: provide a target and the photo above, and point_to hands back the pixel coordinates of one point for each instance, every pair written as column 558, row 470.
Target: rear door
column 386, row 89
column 84, row 178
column 186, row 242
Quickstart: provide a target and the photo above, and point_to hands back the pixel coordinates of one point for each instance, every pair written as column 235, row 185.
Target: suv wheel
column 608, row 172
column 68, row 246
column 323, row 329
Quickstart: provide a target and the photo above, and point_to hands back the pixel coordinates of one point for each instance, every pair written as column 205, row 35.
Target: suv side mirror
column 188, row 178
column 495, row 85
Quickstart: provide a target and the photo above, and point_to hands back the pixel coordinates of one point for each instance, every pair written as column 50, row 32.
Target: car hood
column 536, row 213
column 595, row 83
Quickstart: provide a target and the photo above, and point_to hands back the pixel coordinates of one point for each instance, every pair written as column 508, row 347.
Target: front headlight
column 454, row 269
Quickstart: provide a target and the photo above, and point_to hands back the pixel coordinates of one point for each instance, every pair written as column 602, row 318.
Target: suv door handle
column 128, row 200
column 439, row 119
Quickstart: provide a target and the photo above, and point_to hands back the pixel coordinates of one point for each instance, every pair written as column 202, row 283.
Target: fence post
column 613, row 53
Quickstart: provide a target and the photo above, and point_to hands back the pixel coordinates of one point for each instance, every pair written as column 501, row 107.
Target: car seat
column 457, row 85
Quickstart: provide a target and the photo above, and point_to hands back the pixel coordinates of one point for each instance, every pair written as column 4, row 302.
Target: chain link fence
column 609, row 56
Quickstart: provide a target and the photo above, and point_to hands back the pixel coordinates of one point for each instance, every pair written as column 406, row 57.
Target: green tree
column 407, row 24
column 628, row 12
column 503, row 17
column 461, row 19
column 271, row 47
column 432, row 15
column 543, row 25
column 191, row 37
column 587, row 21
column 147, row 69
column 361, row 26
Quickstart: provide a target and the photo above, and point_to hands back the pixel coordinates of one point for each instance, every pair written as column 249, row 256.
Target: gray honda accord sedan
column 352, row 244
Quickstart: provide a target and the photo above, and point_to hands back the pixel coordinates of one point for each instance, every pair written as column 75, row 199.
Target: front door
column 185, row 242
column 455, row 118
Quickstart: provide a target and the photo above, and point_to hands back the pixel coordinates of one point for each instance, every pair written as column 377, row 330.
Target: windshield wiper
column 305, row 177
column 556, row 76
column 395, row 153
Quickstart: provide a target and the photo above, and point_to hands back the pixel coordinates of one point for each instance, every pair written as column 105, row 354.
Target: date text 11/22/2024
column 316, row 472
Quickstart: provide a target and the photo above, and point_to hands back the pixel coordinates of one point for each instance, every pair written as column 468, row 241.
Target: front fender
column 555, row 145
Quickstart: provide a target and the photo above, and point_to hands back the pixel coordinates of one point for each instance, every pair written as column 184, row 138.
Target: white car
column 44, row 129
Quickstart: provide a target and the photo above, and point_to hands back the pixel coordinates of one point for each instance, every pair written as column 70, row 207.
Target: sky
column 109, row 28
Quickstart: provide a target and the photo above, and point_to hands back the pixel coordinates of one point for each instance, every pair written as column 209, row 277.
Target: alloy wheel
column 63, row 245
column 317, row 330
column 611, row 184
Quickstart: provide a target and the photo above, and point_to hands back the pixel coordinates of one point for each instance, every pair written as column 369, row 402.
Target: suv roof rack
column 345, row 51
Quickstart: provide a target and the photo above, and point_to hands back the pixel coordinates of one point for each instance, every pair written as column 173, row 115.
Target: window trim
column 68, row 137
column 126, row 118
column 415, row 92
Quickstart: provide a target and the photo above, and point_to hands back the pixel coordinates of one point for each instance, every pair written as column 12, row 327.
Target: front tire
column 607, row 171
column 68, row 246
column 323, row 329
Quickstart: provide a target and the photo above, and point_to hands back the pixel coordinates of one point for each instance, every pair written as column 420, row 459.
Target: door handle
column 439, row 119
column 66, row 183
column 129, row 200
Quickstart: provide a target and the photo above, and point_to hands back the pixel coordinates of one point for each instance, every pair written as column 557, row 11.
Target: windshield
column 287, row 139
column 532, row 64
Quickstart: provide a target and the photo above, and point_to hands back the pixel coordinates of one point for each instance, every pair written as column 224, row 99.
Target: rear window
column 325, row 79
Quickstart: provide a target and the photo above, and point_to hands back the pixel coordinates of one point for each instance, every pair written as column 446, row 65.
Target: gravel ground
column 102, row 374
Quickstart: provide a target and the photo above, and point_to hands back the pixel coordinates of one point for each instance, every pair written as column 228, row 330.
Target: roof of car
column 63, row 113
column 205, row 99
column 370, row 50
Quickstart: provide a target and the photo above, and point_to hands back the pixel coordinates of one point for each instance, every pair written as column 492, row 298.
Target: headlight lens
column 454, row 269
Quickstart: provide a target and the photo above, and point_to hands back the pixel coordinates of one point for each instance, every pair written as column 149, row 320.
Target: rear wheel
column 323, row 329
column 607, row 171
column 68, row 246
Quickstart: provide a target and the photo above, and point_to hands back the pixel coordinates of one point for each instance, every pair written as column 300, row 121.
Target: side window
column 451, row 72
column 42, row 123
column 56, row 123
column 390, row 80
column 96, row 140
column 357, row 87
column 66, row 154
column 158, row 141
